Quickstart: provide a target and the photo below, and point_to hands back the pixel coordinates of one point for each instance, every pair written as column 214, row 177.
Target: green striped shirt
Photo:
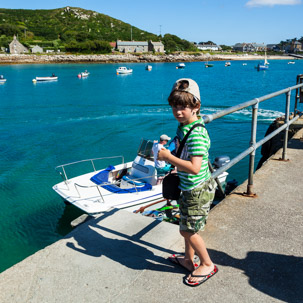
column 197, row 144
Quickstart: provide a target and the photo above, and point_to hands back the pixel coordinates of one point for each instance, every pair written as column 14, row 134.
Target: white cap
column 192, row 88
column 164, row 138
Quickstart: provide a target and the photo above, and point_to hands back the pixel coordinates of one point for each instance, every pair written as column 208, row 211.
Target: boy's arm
column 192, row 167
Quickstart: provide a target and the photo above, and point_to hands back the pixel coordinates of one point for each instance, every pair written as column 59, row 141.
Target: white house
column 212, row 47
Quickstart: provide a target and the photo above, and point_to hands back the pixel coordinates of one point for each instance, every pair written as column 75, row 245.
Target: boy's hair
column 180, row 95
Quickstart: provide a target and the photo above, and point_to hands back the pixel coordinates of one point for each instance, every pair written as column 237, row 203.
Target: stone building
column 249, row 47
column 132, row 46
column 37, row 49
column 15, row 47
column 295, row 46
column 139, row 46
column 157, row 47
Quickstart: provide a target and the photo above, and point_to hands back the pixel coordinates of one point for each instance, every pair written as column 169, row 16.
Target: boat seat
column 102, row 176
column 101, row 179
column 132, row 180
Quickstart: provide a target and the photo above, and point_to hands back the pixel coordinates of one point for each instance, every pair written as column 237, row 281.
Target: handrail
column 253, row 144
column 65, row 178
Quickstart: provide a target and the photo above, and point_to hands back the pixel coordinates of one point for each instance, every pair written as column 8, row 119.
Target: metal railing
column 64, row 175
column 251, row 151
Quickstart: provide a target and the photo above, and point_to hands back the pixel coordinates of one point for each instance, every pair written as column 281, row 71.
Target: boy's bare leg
column 197, row 245
column 187, row 261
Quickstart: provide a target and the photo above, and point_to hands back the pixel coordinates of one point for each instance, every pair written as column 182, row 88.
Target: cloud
column 254, row 3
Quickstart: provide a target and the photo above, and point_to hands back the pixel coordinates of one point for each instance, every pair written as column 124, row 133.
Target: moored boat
column 148, row 67
column 208, row 64
column 53, row 77
column 261, row 66
column 2, row 79
column 83, row 74
column 180, row 66
column 291, row 62
column 123, row 70
column 227, row 63
column 126, row 185
column 264, row 65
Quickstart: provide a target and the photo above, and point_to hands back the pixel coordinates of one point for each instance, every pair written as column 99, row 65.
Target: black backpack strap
column 182, row 143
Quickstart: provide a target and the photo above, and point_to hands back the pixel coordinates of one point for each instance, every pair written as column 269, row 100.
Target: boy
column 197, row 186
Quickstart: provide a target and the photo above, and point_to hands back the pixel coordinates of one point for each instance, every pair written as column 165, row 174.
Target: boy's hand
column 163, row 154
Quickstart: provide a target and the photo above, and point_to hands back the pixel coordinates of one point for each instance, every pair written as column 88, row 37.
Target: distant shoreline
column 128, row 58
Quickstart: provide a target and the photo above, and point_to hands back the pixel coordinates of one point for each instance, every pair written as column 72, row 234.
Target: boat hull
column 84, row 75
column 123, row 71
column 262, row 67
column 91, row 198
column 43, row 79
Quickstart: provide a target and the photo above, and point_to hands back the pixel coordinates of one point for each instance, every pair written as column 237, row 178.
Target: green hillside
column 73, row 28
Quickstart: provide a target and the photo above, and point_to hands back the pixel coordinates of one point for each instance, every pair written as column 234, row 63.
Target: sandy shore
column 65, row 58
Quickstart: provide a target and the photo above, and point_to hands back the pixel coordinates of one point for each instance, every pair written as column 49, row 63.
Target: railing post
column 64, row 173
column 286, row 122
column 253, row 153
column 92, row 161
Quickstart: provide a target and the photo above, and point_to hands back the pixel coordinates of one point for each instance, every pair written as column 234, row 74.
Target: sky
column 222, row 21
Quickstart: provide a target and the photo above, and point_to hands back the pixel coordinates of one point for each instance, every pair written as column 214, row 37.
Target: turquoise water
column 43, row 125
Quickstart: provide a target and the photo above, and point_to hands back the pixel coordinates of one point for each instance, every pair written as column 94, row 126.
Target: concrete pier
column 122, row 257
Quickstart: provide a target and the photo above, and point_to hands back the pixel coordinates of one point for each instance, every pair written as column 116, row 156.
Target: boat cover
column 101, row 178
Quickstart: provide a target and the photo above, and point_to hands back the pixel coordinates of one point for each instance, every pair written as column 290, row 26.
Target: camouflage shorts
column 194, row 206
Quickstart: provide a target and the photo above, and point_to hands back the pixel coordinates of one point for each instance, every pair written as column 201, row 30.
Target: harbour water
column 43, row 125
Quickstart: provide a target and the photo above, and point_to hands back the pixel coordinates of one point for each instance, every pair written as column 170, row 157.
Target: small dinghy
column 53, row 77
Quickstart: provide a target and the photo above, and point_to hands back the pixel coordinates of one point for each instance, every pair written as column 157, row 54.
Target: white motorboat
column 180, row 66
column 83, row 74
column 291, row 62
column 2, row 79
column 148, row 67
column 227, row 63
column 44, row 79
column 126, row 186
column 124, row 70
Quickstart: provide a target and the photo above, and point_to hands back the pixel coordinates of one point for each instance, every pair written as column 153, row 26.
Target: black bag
column 170, row 183
column 170, row 186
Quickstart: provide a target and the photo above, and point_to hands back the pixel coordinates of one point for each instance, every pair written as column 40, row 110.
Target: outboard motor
column 220, row 161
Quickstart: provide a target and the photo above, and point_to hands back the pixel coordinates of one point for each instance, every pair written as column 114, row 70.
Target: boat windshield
column 145, row 149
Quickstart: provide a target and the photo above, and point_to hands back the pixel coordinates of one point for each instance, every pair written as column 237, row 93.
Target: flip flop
column 204, row 278
column 174, row 259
